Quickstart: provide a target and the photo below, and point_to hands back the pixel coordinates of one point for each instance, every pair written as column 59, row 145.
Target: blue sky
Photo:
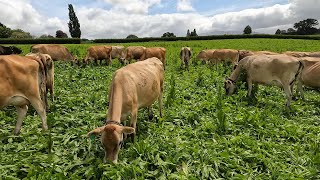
column 152, row 18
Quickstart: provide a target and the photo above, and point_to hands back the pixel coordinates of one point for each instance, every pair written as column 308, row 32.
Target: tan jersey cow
column 225, row 55
column 49, row 71
column 185, row 57
column 23, row 82
column 246, row 53
column 132, row 52
column 134, row 86
column 205, row 55
column 95, row 53
column 116, row 52
column 56, row 51
column 310, row 75
column 280, row 70
column 158, row 52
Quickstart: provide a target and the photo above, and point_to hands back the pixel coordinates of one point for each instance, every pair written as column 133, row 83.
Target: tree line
column 304, row 27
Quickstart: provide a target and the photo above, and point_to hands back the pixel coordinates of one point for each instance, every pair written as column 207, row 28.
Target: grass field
column 203, row 134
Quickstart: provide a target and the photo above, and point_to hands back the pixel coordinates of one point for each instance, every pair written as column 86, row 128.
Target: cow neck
column 113, row 122
column 115, row 105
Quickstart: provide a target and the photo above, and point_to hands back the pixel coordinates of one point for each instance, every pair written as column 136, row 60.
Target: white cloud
column 120, row 21
column 184, row 5
column 20, row 14
column 133, row 6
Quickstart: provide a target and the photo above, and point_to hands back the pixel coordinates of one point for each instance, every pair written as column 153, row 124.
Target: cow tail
column 42, row 74
column 298, row 74
column 238, row 58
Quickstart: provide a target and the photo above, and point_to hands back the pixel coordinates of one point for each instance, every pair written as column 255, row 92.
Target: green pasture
column 203, row 134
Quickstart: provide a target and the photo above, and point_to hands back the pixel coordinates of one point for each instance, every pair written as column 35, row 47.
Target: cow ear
column 96, row 131
column 127, row 130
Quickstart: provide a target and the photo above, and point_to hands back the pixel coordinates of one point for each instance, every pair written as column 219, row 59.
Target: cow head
column 15, row 50
column 229, row 86
column 111, row 139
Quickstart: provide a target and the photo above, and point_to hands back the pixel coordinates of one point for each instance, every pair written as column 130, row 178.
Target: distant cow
column 134, row 86
column 185, row 57
column 56, row 51
column 132, row 52
column 96, row 53
column 9, row 50
column 158, row 52
column 205, row 55
column 116, row 52
column 279, row 70
column 310, row 75
column 23, row 82
column 46, row 58
column 225, row 55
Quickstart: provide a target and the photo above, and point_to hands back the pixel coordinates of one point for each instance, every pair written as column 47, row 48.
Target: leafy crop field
column 203, row 134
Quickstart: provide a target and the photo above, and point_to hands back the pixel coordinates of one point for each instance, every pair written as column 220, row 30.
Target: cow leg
column 22, row 112
column 134, row 122
column 300, row 89
column 38, row 105
column 249, row 83
column 287, row 90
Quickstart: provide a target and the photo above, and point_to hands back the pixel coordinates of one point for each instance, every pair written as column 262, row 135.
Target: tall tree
column 247, row 30
column 19, row 33
column 74, row 25
column 194, row 33
column 291, row 31
column 278, row 31
column 132, row 36
column 306, row 26
column 188, row 33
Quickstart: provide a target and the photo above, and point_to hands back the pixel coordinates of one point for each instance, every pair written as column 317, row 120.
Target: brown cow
column 134, row 86
column 56, row 51
column 23, row 82
column 185, row 56
column 132, row 52
column 96, row 53
column 225, row 55
column 158, row 52
column 310, row 75
column 205, row 55
column 116, row 52
column 280, row 70
column 49, row 71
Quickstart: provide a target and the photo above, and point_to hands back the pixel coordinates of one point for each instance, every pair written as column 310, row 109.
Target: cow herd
column 26, row 80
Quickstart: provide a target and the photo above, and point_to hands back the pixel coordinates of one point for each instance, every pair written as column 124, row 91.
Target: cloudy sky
column 152, row 18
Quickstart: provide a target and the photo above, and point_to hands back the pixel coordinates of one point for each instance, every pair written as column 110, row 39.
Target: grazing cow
column 185, row 56
column 245, row 53
column 116, row 52
column 310, row 75
column 132, row 52
column 23, row 82
column 205, row 55
column 49, row 71
column 96, row 53
column 134, row 86
column 9, row 50
column 225, row 55
column 158, row 52
column 56, row 51
column 280, row 70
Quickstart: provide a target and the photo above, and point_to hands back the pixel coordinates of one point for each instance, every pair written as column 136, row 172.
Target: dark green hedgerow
column 203, row 134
